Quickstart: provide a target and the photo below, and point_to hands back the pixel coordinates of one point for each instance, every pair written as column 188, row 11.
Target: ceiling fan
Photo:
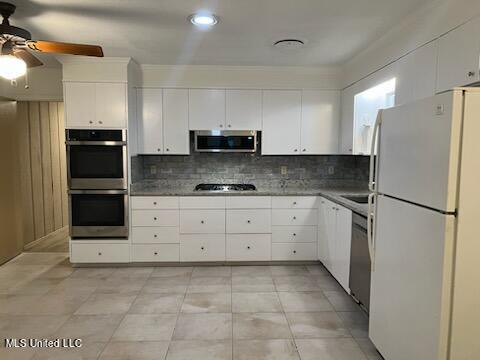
column 16, row 43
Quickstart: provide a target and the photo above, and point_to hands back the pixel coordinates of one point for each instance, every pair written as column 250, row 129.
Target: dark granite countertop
column 332, row 193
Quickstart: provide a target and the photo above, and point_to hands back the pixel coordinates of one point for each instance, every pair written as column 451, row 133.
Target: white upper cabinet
column 282, row 116
column 80, row 104
column 458, row 56
column 150, row 121
column 416, row 74
column 320, row 122
column 176, row 139
column 243, row 110
column 206, row 109
column 96, row 105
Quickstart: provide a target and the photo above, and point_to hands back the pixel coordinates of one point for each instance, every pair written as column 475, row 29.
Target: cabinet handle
column 90, row 122
column 295, row 150
column 100, row 122
column 158, row 150
column 154, row 203
column 154, row 235
column 248, row 221
column 221, row 125
column 304, row 150
column 294, row 251
column 155, row 253
column 99, row 254
column 202, row 248
column 229, row 125
column 167, row 149
column 294, row 218
column 333, row 208
column 202, row 222
column 248, row 247
column 294, row 203
column 294, row 234
column 471, row 73
column 155, row 218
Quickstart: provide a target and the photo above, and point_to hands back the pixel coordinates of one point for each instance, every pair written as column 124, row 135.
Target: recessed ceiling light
column 203, row 20
column 289, row 44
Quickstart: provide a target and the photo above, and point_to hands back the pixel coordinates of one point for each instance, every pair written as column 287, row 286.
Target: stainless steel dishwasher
column 360, row 265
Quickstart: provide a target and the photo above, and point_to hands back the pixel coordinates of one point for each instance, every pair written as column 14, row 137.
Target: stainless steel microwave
column 226, row 141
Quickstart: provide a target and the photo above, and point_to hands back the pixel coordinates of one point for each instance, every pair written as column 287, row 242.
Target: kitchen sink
column 359, row 199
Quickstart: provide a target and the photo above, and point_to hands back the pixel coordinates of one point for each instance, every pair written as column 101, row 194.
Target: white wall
column 45, row 84
column 264, row 77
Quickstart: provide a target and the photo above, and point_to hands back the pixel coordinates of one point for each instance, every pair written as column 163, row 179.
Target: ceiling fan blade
column 65, row 48
column 29, row 59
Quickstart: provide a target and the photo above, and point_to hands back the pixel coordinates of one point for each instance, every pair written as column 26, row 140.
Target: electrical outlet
column 153, row 169
column 331, row 170
column 283, row 170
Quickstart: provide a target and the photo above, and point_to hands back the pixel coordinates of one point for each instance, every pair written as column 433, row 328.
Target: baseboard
column 58, row 232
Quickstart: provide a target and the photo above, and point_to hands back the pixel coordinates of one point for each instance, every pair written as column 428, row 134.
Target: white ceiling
column 157, row 31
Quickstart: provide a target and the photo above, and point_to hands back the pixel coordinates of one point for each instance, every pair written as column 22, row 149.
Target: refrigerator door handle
column 371, row 227
column 371, row 180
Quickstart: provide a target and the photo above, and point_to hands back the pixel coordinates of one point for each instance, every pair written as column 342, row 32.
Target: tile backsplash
column 265, row 171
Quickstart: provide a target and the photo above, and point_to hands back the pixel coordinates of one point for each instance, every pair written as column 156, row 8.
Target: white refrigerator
column 424, row 238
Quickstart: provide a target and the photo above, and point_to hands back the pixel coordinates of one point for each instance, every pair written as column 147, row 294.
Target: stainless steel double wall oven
column 97, row 180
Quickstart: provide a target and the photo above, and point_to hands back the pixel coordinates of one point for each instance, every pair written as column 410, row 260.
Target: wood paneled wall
column 44, row 200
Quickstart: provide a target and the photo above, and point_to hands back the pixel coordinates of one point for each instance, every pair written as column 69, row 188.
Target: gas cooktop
column 225, row 187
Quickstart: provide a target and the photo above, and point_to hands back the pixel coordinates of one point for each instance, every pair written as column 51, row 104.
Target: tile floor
column 173, row 313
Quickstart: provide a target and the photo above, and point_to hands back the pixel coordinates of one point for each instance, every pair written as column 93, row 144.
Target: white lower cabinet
column 154, row 218
column 155, row 252
column 249, row 247
column 202, row 247
column 99, row 253
column 296, row 217
column 334, row 240
column 155, row 235
column 283, row 234
column 249, row 221
column 202, row 221
column 294, row 251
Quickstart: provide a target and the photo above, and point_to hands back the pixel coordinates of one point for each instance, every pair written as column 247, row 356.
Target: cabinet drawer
column 294, row 251
column 249, row 247
column 155, row 235
column 294, row 202
column 155, row 217
column 156, row 252
column 202, row 247
column 248, row 202
column 202, row 221
column 285, row 234
column 154, row 202
column 202, row 202
column 249, row 221
column 300, row 217
column 100, row 253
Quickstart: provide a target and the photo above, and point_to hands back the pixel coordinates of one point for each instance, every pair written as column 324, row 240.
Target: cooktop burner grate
column 225, row 187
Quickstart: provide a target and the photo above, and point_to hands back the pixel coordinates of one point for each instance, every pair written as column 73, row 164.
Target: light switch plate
column 153, row 169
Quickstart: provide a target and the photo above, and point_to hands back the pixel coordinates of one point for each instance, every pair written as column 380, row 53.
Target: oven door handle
column 98, row 192
column 97, row 143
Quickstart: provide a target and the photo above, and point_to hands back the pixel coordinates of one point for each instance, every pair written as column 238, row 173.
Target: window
column 366, row 107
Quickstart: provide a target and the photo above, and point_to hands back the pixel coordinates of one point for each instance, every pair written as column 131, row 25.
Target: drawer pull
column 294, row 251
column 202, row 222
column 90, row 122
column 155, row 218
column 202, row 248
column 294, row 203
column 155, row 253
column 248, row 247
column 154, row 203
column 248, row 221
column 99, row 254
column 294, row 218
column 154, row 235
column 294, row 234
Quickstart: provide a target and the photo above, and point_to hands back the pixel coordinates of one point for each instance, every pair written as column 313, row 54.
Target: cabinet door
column 206, row 109
column 281, row 122
column 111, row 105
column 175, row 122
column 80, row 105
column 150, row 121
column 244, row 109
column 330, row 219
column 320, row 122
column 458, row 56
column 416, row 74
column 322, row 232
column 343, row 239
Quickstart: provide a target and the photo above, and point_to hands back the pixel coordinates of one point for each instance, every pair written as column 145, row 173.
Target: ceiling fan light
column 12, row 67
